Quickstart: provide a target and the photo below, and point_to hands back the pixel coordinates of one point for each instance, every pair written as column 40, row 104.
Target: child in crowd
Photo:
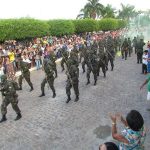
column 145, row 62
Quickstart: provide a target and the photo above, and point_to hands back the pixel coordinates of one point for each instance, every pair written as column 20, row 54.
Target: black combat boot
column 106, row 68
column 95, row 82
column 43, row 94
column 104, row 75
column 88, row 82
column 77, row 98
column 83, row 68
column 3, row 118
column 31, row 88
column 68, row 99
column 54, row 94
column 18, row 116
column 112, row 68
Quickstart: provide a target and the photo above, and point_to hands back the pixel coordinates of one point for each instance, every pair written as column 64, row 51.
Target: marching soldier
column 54, row 66
column 115, row 44
column 72, row 80
column 65, row 56
column 81, row 51
column 134, row 41
column 49, row 77
column 25, row 73
column 92, row 65
column 110, row 51
column 8, row 89
column 124, row 49
column 85, row 57
column 102, row 58
column 94, row 47
column 119, row 43
column 140, row 45
column 129, row 47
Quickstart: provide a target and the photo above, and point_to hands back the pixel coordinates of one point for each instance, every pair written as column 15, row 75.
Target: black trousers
column 139, row 57
column 144, row 68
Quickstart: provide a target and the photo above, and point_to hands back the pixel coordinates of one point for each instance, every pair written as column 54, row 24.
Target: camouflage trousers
column 124, row 53
column 55, row 69
column 81, row 55
column 27, row 78
column 14, row 103
column 83, row 65
column 94, row 71
column 102, row 64
column 74, row 85
column 111, row 60
column 62, row 63
column 50, row 82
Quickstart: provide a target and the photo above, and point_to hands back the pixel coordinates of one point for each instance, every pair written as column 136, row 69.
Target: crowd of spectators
column 34, row 50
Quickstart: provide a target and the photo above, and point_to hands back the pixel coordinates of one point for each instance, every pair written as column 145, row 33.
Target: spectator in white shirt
column 145, row 62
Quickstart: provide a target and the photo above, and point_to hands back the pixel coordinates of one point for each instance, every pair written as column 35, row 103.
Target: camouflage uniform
column 110, row 51
column 92, row 66
column 49, row 77
column 81, row 51
column 75, row 60
column 129, row 47
column 124, row 49
column 102, row 58
column 53, row 59
column 72, row 79
column 65, row 56
column 134, row 41
column 25, row 74
column 119, row 43
column 85, row 57
column 115, row 45
column 140, row 45
column 9, row 96
column 94, row 47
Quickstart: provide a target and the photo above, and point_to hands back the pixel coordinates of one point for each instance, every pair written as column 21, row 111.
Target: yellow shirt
column 11, row 56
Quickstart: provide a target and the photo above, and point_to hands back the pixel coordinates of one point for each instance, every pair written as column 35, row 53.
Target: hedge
column 85, row 25
column 30, row 28
column 61, row 27
column 121, row 24
column 22, row 28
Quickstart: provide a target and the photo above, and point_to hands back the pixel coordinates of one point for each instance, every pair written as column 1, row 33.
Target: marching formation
column 94, row 53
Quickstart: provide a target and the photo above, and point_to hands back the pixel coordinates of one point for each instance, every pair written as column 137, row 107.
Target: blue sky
column 56, row 9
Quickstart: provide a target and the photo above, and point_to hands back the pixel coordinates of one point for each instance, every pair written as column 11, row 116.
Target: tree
column 127, row 12
column 144, row 18
column 108, row 12
column 147, row 13
column 92, row 10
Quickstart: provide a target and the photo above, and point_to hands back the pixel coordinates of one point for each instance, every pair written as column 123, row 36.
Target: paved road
column 51, row 124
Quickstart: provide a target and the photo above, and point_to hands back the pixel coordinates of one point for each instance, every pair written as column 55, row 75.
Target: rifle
column 102, row 61
column 109, row 54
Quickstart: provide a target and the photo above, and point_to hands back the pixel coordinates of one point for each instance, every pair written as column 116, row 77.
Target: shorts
column 148, row 96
